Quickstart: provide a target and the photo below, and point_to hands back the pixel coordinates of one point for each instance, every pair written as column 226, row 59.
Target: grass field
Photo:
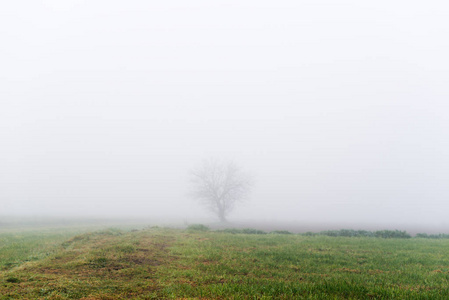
column 157, row 263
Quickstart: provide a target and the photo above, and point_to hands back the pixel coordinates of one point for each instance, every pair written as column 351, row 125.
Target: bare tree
column 219, row 186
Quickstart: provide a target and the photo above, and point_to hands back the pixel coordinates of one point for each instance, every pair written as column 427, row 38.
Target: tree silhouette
column 219, row 185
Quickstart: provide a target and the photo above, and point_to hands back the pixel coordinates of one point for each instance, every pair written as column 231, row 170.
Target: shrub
column 230, row 230
column 110, row 231
column 366, row 233
column 310, row 233
column 281, row 232
column 242, row 231
column 432, row 236
column 198, row 227
column 387, row 234
column 330, row 233
column 422, row 235
column 252, row 231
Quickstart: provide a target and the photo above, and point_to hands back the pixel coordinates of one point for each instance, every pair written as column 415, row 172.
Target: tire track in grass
column 109, row 264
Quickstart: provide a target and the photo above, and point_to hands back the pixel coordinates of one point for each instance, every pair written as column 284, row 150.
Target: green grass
column 18, row 247
column 174, row 264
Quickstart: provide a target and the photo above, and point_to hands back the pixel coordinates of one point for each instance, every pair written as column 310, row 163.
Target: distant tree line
column 201, row 227
column 433, row 236
column 379, row 233
column 386, row 234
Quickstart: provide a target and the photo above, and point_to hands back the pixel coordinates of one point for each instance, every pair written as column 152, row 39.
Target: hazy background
column 338, row 108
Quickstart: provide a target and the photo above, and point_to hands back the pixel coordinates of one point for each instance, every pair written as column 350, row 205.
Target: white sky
column 339, row 108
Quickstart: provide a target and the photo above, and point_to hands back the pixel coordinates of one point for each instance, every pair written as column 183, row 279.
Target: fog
column 339, row 109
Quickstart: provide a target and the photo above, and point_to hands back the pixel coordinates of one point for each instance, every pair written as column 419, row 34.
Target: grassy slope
column 160, row 263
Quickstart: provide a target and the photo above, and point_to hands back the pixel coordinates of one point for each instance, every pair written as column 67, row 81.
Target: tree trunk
column 221, row 215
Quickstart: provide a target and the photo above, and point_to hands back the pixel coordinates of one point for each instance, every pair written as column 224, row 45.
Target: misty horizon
column 338, row 109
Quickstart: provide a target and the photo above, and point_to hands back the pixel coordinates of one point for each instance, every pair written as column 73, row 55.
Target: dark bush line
column 365, row 233
column 386, row 234
column 281, row 232
column 244, row 231
column 241, row 231
column 433, row 236
column 380, row 233
column 252, row 231
column 201, row 227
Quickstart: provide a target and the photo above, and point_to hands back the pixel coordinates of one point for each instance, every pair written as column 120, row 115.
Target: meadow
column 164, row 263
